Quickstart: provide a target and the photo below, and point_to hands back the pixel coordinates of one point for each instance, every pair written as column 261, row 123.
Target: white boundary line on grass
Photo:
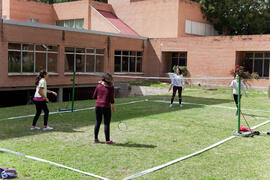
column 52, row 163
column 75, row 110
column 188, row 156
column 177, row 160
column 224, row 107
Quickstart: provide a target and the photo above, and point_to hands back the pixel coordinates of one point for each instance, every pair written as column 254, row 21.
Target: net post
column 239, row 102
column 73, row 91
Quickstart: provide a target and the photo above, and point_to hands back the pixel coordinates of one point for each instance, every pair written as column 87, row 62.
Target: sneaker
column 170, row 105
column 110, row 143
column 34, row 128
column 47, row 128
column 96, row 141
column 180, row 105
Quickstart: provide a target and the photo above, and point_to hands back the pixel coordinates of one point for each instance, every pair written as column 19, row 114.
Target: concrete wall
column 22, row 10
column 213, row 56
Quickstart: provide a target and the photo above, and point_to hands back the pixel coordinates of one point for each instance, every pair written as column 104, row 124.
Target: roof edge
column 46, row 26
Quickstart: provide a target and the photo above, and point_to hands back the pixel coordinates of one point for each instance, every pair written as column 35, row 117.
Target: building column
column 60, row 95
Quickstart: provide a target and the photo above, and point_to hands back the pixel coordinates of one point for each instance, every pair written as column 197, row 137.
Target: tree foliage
column 238, row 17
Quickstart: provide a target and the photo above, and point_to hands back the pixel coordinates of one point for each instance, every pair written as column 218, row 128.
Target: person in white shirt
column 40, row 100
column 234, row 85
column 177, row 82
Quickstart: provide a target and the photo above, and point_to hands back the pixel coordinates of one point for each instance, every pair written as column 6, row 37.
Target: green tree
column 238, row 17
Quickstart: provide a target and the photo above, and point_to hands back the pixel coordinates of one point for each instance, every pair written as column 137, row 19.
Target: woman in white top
column 40, row 100
column 234, row 85
column 177, row 83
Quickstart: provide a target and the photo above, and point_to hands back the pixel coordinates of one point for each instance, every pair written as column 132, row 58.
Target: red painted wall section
column 118, row 23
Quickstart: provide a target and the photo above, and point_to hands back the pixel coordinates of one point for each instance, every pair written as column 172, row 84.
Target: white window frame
column 129, row 56
column 84, row 58
column 263, row 58
column 34, row 51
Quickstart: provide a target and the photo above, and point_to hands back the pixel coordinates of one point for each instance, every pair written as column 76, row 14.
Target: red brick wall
column 99, row 23
column 20, row 34
column 149, row 18
column 102, row 6
column 74, row 10
column 189, row 10
column 6, row 8
column 158, row 19
column 208, row 56
column 22, row 10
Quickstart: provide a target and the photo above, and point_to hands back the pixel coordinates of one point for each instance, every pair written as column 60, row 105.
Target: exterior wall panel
column 22, row 10
column 23, row 34
column 149, row 18
column 209, row 56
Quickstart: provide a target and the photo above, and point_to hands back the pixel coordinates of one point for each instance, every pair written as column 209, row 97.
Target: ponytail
column 41, row 75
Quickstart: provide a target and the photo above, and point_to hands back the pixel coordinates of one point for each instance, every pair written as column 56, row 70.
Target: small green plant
column 183, row 69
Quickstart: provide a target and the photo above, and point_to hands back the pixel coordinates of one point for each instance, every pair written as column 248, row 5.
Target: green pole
column 239, row 102
column 73, row 91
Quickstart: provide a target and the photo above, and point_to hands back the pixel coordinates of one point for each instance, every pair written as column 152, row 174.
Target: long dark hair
column 180, row 71
column 108, row 79
column 41, row 75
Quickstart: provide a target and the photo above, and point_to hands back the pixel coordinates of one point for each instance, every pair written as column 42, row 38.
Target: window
column 30, row 58
column 84, row 60
column 73, row 23
column 258, row 62
column 27, row 58
column 179, row 59
column 127, row 61
column 32, row 20
column 198, row 28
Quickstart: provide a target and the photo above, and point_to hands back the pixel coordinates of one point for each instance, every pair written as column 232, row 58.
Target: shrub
column 240, row 71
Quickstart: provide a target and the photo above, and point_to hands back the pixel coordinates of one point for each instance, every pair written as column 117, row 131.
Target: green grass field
column 156, row 134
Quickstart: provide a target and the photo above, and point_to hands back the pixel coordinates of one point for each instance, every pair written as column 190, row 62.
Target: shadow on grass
column 135, row 145
column 130, row 145
column 69, row 122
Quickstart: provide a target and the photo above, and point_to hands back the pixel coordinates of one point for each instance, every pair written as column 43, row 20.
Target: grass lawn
column 156, row 134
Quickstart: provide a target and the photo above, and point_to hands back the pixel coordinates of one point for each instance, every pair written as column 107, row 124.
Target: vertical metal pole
column 239, row 102
column 73, row 91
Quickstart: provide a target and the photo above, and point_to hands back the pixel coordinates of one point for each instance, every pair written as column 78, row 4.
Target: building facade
column 127, row 37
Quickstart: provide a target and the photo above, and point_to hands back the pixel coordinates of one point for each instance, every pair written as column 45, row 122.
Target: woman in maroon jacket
column 104, row 95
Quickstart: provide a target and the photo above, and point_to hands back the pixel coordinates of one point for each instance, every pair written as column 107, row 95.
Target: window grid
column 128, row 55
column 22, row 50
column 85, row 54
column 253, row 58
